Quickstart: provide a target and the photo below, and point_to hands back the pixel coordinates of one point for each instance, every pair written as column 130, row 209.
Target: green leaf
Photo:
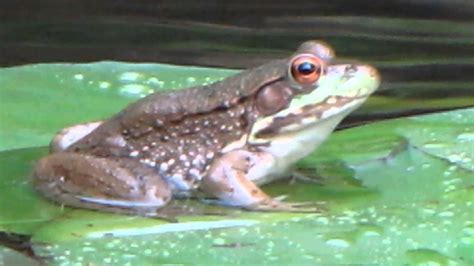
column 395, row 192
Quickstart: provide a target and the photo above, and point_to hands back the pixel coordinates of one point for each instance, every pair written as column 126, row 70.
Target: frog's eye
column 306, row 69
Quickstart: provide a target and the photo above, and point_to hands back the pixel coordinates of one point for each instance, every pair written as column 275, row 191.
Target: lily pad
column 394, row 192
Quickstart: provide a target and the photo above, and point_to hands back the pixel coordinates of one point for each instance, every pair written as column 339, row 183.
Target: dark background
column 225, row 33
column 424, row 49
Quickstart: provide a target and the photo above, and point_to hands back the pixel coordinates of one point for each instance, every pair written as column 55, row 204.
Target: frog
column 220, row 141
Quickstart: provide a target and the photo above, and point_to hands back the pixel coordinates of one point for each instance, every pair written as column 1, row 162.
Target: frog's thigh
column 98, row 183
column 229, row 179
column 70, row 135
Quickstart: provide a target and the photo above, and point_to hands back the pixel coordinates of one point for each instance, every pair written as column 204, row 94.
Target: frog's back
column 175, row 111
column 173, row 105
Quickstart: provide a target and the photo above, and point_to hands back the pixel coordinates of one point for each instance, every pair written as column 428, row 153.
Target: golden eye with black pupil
column 306, row 69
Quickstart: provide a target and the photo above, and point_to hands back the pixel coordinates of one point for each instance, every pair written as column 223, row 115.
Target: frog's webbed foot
column 228, row 182
column 115, row 185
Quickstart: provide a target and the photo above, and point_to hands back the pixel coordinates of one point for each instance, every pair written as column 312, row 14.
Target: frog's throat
column 305, row 116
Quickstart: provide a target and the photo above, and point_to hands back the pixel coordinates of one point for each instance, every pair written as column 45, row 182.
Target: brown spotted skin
column 174, row 144
column 181, row 149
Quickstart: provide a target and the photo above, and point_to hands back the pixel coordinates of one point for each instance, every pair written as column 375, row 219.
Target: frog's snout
column 371, row 71
column 369, row 77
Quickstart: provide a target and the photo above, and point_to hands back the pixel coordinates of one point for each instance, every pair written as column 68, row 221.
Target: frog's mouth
column 307, row 116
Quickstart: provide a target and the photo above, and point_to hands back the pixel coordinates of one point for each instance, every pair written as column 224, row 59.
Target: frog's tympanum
column 221, row 140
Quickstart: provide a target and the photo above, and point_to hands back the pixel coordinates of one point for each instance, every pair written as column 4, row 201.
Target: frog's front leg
column 229, row 180
column 110, row 184
column 70, row 135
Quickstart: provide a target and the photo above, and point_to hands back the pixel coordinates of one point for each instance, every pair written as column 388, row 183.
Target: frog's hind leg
column 70, row 135
column 116, row 185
